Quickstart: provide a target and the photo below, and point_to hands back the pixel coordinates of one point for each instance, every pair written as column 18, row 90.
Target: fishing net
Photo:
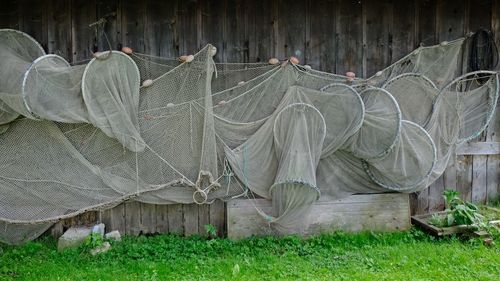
column 130, row 126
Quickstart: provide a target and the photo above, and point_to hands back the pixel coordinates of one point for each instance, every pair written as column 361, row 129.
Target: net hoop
column 29, row 75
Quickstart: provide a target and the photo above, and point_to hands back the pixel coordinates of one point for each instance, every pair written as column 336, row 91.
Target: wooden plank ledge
column 371, row 212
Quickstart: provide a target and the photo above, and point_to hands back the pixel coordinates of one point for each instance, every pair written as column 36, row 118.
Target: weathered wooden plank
column 111, row 12
column 133, row 18
column 132, row 218
column 175, row 219
column 451, row 18
column 493, row 177
column 403, row 29
column 291, row 31
column 423, row 202
column 162, row 218
column 377, row 29
column 479, row 183
column 59, row 29
column 9, row 14
column 188, row 13
column 148, row 218
column 33, row 19
column 377, row 212
column 479, row 148
column 217, row 217
column 190, row 219
column 464, row 176
column 349, row 37
column 426, row 22
column 84, row 40
column 320, row 36
column 479, row 14
column 114, row 219
column 161, row 29
column 436, row 200
column 235, row 41
column 450, row 174
column 260, row 30
column 203, row 218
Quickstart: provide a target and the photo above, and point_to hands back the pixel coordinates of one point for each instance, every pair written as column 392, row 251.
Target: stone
column 99, row 229
column 114, row 235
column 101, row 249
column 73, row 237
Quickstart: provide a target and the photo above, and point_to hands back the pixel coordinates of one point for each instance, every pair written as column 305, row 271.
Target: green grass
column 367, row 256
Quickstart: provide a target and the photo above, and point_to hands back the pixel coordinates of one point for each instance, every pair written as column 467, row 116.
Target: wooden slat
column 436, row 200
column 162, row 218
column 260, row 30
column 33, row 19
column 403, row 29
column 175, row 219
column 356, row 213
column 217, row 217
column 235, row 42
column 451, row 19
column 188, row 12
column 161, row 34
column 148, row 218
column 84, row 40
column 377, row 27
column 478, row 148
column 114, row 219
column 203, row 218
column 479, row 14
column 190, row 213
column 9, row 14
column 291, row 28
column 132, row 218
column 479, row 179
column 464, row 176
column 59, row 29
column 426, row 19
column 349, row 37
column 133, row 19
column 110, row 10
column 320, row 36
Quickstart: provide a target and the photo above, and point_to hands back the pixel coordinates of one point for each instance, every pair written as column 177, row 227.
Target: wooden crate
column 376, row 212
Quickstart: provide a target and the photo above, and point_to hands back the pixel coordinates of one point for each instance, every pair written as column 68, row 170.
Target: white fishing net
column 187, row 130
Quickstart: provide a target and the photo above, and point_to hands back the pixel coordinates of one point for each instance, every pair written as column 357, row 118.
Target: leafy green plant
column 94, row 240
column 458, row 212
column 211, row 230
column 437, row 220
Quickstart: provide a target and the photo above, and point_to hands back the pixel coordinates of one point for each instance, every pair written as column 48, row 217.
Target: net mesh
column 187, row 130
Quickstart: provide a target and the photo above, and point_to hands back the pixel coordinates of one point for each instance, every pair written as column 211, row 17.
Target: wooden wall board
column 375, row 212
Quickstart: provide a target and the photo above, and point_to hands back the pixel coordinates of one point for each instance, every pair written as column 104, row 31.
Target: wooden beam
column 479, row 148
column 377, row 212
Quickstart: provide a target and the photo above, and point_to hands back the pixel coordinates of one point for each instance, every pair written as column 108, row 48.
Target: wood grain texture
column 376, row 212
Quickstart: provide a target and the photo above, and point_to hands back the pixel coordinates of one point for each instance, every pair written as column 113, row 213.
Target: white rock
column 101, row 249
column 114, row 235
column 73, row 237
column 99, row 229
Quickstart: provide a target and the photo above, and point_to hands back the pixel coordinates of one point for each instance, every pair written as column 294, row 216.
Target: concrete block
column 73, row 237
column 114, row 235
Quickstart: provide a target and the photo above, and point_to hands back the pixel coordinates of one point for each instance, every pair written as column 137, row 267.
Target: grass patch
column 408, row 255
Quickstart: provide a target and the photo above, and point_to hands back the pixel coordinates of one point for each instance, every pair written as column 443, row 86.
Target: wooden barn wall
column 331, row 35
